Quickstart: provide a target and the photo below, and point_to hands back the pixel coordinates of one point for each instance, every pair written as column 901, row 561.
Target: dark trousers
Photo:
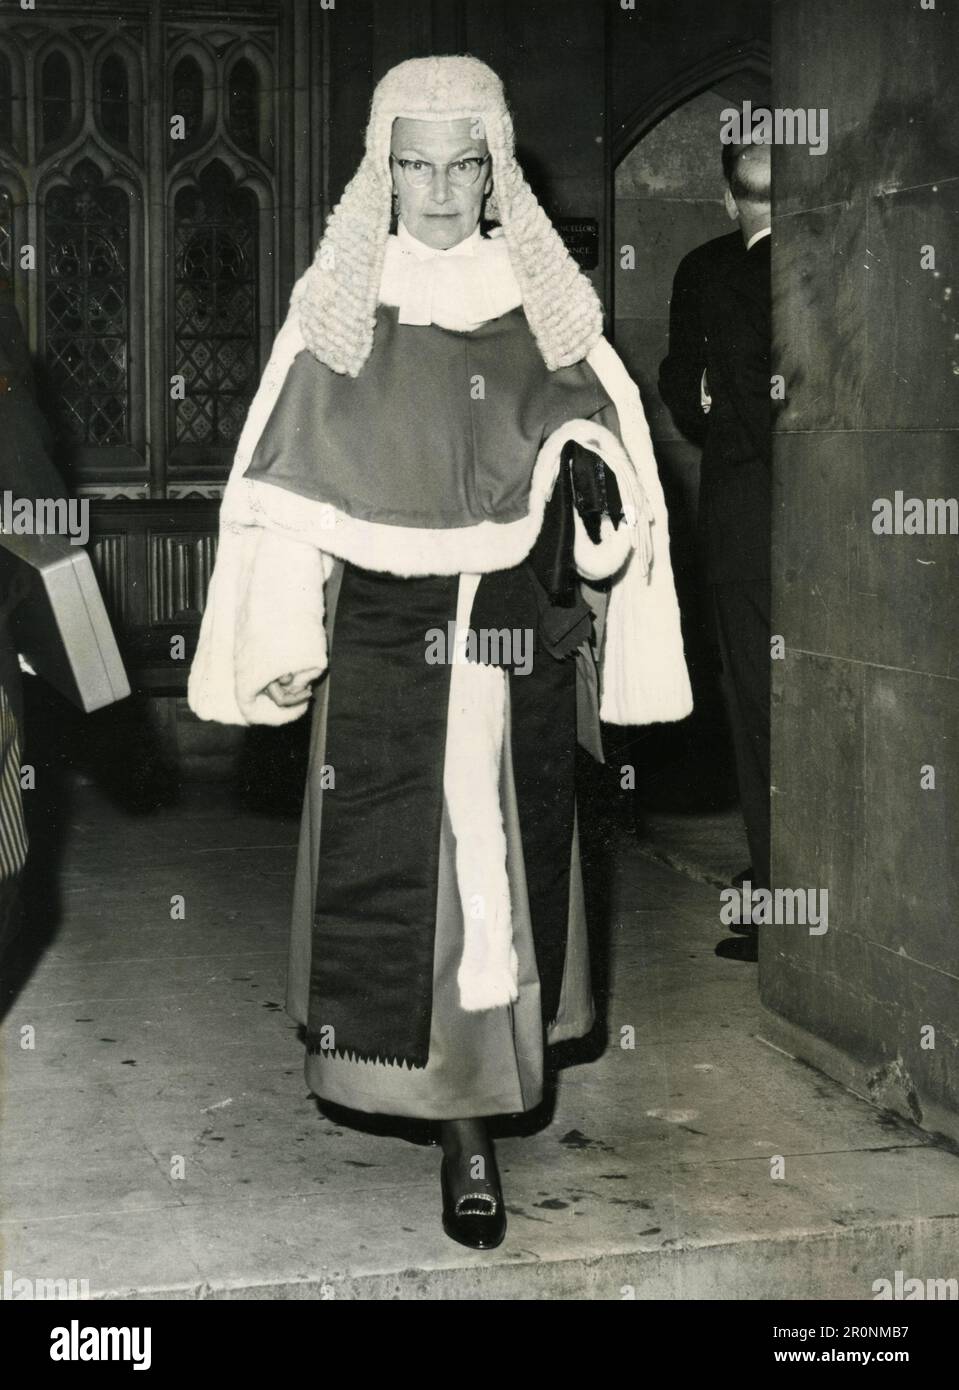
column 742, row 623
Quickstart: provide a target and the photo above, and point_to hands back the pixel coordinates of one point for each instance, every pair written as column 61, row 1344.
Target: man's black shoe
column 744, row 948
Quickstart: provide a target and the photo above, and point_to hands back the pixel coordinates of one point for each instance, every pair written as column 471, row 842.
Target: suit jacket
column 25, row 443
column 720, row 323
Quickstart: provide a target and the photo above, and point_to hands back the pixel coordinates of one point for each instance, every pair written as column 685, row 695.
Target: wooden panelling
column 154, row 561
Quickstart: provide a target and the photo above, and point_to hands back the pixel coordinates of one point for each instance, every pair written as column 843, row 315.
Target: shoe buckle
column 484, row 1197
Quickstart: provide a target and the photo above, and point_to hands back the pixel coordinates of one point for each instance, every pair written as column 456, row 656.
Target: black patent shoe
column 476, row 1219
column 744, row 948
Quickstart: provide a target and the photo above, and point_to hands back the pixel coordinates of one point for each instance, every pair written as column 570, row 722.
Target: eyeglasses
column 462, row 173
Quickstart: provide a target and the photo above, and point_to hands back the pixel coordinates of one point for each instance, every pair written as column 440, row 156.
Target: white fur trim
column 643, row 668
column 410, row 551
column 489, row 969
column 280, row 624
column 211, row 690
column 264, row 617
column 598, row 560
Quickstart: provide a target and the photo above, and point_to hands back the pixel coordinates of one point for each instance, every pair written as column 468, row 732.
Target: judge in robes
column 444, row 520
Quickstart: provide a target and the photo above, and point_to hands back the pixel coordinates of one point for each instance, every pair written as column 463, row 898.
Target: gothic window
column 86, row 258
column 216, row 307
column 244, row 105
column 114, row 96
column 156, row 256
column 56, row 87
column 187, row 95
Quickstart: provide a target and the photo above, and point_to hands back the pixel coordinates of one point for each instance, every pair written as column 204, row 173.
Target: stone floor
column 709, row 847
column 157, row 1138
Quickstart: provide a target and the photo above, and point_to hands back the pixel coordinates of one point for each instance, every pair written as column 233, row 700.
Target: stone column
column 866, row 699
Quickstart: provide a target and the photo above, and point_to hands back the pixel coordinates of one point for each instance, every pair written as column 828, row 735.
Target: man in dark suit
column 716, row 382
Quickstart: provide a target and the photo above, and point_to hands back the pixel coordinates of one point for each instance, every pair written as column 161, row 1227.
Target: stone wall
column 866, row 701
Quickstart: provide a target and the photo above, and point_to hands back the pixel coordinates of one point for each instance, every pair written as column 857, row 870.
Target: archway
column 667, row 198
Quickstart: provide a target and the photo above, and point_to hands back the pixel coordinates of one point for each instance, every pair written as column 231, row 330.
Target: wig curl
column 336, row 297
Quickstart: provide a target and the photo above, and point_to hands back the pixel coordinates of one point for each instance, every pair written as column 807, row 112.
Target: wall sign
column 581, row 237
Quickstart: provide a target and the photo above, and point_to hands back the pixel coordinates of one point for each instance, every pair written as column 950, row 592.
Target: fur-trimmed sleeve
column 644, row 679
column 264, row 614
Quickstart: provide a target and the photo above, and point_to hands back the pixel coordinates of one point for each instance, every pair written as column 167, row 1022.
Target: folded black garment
column 595, row 489
column 542, row 593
